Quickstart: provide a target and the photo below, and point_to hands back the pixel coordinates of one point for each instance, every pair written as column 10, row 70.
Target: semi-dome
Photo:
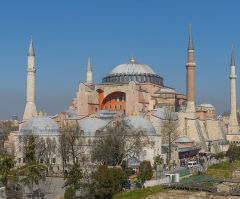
column 132, row 68
column 90, row 126
column 40, row 126
column 140, row 124
column 132, row 71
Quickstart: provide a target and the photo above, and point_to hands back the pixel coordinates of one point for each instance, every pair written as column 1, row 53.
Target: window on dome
column 120, row 98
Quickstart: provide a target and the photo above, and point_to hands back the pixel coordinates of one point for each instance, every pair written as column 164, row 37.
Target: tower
column 89, row 73
column 190, row 66
column 30, row 109
column 233, row 123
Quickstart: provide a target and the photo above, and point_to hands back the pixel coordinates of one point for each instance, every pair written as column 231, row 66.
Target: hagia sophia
column 135, row 91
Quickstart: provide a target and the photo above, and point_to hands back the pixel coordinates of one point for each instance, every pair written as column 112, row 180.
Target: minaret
column 89, row 73
column 190, row 65
column 30, row 109
column 233, row 123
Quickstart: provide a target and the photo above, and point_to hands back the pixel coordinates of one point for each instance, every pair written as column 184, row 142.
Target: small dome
column 207, row 105
column 132, row 68
column 141, row 124
column 90, row 126
column 40, row 126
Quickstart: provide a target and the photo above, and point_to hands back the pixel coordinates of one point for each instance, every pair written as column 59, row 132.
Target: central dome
column 132, row 68
column 132, row 71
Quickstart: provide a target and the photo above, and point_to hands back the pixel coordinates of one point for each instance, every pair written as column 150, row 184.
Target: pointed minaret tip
column 190, row 44
column 31, row 48
column 89, row 67
column 232, row 58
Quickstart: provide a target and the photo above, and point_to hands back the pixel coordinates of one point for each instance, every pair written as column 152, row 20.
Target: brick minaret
column 190, row 65
column 233, row 123
column 30, row 109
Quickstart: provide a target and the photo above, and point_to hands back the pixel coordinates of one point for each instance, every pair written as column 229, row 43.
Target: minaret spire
column 89, row 67
column 232, row 58
column 190, row 44
column 30, row 109
column 233, row 123
column 89, row 73
column 190, row 66
column 31, row 49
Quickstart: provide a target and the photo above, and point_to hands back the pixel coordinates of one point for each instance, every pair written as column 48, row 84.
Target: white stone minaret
column 233, row 123
column 30, row 109
column 89, row 73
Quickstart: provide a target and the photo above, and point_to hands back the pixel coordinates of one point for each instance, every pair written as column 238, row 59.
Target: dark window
column 120, row 98
column 110, row 107
column 115, row 98
column 120, row 107
column 115, row 107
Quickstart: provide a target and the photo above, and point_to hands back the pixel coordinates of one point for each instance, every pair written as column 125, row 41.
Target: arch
column 114, row 101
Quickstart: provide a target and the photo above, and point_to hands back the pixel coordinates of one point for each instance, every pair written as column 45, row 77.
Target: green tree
column 120, row 178
column 145, row 172
column 219, row 156
column 32, row 171
column 233, row 152
column 69, row 193
column 103, row 183
column 7, row 172
column 73, row 181
column 6, row 168
column 128, row 170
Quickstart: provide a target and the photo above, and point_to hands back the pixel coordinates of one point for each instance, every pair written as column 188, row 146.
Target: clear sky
column 65, row 33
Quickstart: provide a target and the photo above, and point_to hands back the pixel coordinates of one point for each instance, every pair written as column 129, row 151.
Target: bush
column 120, row 179
column 103, row 183
column 233, row 153
column 145, row 172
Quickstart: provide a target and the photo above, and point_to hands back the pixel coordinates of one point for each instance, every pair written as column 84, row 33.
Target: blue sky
column 65, row 33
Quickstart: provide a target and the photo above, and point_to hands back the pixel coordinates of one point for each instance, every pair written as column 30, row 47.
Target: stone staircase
column 200, row 134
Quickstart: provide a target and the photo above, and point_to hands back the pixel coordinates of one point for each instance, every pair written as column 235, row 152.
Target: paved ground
column 52, row 187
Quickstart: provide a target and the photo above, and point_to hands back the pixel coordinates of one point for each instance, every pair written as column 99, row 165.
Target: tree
column 103, row 183
column 120, row 179
column 219, row 156
column 8, row 173
column 72, row 143
column 117, row 142
column 170, row 131
column 145, row 172
column 5, row 128
column 32, row 170
column 233, row 152
column 73, row 181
